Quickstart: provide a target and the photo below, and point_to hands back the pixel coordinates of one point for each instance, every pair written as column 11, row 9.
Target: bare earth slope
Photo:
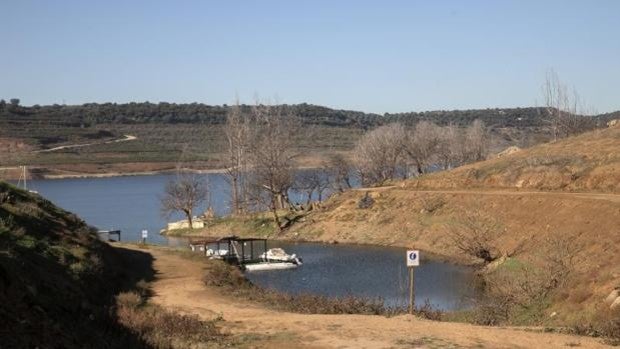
column 589, row 162
column 179, row 286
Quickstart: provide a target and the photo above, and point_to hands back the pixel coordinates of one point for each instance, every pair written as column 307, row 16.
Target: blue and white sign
column 413, row 258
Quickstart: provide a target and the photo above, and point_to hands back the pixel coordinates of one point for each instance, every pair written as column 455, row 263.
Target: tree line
column 262, row 146
column 92, row 114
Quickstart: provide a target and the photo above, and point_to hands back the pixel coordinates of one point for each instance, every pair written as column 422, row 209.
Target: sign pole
column 411, row 291
column 413, row 260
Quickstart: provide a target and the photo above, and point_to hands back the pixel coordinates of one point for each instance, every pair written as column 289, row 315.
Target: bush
column 433, row 203
column 366, row 201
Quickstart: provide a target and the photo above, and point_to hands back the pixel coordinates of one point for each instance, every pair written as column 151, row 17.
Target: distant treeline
column 91, row 114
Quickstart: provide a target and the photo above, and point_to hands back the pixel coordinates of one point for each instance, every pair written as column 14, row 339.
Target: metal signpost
column 145, row 234
column 413, row 260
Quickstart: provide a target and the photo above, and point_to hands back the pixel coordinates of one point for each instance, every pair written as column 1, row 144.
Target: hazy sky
column 375, row 56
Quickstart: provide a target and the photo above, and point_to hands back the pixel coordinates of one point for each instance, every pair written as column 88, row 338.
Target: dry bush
column 606, row 325
column 521, row 293
column 477, row 236
column 433, row 203
column 366, row 201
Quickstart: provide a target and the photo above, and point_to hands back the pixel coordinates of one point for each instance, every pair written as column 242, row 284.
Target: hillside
column 57, row 279
column 85, row 138
column 588, row 162
column 522, row 227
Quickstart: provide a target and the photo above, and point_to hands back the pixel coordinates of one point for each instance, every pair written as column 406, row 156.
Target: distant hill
column 90, row 114
column 165, row 132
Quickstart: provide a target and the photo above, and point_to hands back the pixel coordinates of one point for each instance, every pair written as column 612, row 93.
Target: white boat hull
column 270, row 266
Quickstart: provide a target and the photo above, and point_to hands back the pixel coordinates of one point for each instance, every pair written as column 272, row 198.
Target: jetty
column 110, row 233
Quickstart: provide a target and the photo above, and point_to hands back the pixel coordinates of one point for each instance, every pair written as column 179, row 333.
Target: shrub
column 433, row 203
column 366, row 201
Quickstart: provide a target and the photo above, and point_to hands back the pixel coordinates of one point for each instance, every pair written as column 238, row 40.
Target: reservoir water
column 131, row 203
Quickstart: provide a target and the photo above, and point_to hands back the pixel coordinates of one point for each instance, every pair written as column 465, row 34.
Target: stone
column 613, row 296
column 615, row 305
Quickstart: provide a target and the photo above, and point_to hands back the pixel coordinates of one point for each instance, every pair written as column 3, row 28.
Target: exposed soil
column 178, row 286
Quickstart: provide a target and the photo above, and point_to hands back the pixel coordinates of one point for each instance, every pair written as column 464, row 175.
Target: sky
column 373, row 56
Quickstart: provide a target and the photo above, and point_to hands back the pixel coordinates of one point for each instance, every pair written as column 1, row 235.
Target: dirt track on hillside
column 579, row 195
column 178, row 285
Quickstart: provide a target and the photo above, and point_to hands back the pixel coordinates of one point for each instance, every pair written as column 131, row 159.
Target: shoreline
column 434, row 255
column 12, row 173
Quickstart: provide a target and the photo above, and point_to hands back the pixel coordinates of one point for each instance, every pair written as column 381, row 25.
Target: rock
column 615, row 305
column 613, row 296
column 554, row 314
column 613, row 123
column 510, row 150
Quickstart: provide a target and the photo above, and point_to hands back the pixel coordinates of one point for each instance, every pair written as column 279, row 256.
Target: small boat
column 245, row 252
column 269, row 266
column 278, row 255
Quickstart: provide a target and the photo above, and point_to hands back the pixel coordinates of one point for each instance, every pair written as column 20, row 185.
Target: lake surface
column 369, row 271
column 131, row 203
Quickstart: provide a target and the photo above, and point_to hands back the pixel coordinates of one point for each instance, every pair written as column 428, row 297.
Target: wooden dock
column 110, row 233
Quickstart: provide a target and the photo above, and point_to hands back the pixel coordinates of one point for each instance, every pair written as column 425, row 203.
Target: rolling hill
column 84, row 138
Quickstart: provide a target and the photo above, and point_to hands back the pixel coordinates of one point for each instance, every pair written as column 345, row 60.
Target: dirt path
column 580, row 195
column 125, row 138
column 178, row 286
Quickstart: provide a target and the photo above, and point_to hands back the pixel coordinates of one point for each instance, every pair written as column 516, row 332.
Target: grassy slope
column 57, row 279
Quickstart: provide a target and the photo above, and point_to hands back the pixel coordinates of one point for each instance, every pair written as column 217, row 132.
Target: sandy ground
column 178, row 286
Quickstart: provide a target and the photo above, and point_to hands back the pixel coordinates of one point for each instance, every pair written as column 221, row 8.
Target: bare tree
column 313, row 181
column 379, row 153
column 238, row 133
column 274, row 147
column 339, row 169
column 183, row 194
column 565, row 108
column 476, row 140
column 422, row 145
column 450, row 147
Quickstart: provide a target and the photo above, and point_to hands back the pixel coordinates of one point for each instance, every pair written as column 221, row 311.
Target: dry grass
column 161, row 328
column 606, row 325
column 588, row 162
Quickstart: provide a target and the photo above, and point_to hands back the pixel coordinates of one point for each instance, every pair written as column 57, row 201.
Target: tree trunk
column 189, row 219
column 274, row 210
column 309, row 199
column 235, row 196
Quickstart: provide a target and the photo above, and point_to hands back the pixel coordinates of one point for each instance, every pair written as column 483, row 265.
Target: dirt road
column 579, row 195
column 125, row 138
column 178, row 286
